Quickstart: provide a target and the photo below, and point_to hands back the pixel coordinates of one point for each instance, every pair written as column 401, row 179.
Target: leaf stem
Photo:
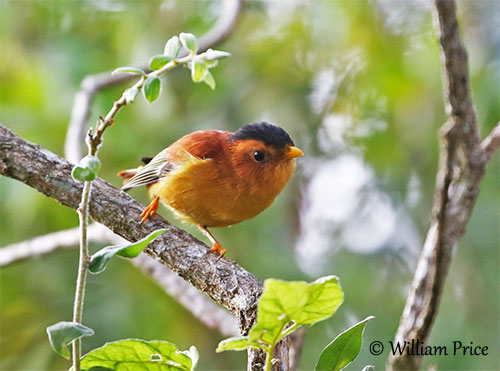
column 83, row 214
column 289, row 330
column 269, row 358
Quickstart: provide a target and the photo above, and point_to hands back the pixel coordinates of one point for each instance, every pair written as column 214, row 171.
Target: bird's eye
column 259, row 156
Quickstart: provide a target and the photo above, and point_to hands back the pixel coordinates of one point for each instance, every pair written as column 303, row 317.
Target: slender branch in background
column 224, row 281
column 43, row 245
column 194, row 301
column 461, row 167
column 94, row 83
column 492, row 142
column 188, row 296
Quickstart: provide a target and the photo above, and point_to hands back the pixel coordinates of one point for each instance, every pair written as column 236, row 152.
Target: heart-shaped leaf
column 135, row 354
column 284, row 307
column 299, row 303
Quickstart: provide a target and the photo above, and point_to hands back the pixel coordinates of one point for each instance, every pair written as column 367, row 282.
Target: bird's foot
column 218, row 249
column 150, row 210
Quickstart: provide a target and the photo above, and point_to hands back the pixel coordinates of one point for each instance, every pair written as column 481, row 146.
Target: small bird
column 216, row 178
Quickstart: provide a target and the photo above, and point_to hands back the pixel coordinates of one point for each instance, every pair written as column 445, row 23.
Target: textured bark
column 224, row 281
column 462, row 163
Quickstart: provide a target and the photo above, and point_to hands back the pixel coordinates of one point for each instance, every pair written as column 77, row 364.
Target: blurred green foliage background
column 358, row 86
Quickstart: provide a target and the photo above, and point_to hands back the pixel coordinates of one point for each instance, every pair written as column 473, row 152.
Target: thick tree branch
column 210, row 314
column 461, row 167
column 224, row 281
column 93, row 83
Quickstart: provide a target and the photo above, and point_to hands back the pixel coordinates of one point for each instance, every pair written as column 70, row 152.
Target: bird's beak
column 292, row 152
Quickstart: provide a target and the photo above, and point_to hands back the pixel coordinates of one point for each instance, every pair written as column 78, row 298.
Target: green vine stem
column 94, row 141
column 269, row 358
column 83, row 214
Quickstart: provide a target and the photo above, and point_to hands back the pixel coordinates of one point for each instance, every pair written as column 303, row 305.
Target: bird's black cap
column 269, row 134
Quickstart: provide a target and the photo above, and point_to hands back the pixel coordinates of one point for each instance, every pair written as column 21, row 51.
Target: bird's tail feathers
column 127, row 174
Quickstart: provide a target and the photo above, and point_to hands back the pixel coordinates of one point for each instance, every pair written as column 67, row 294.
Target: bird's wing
column 150, row 173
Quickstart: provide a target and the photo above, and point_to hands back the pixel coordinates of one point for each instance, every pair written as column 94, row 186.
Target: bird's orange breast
column 215, row 191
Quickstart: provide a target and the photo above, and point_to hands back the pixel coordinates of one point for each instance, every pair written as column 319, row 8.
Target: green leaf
column 134, row 249
column 62, row 334
column 209, row 80
column 81, row 174
column 133, row 70
column 296, row 303
column 87, row 169
column 172, row 47
column 135, row 354
column 100, row 260
column 92, row 163
column 211, row 54
column 189, row 41
column 158, row 61
column 152, row 88
column 235, row 343
column 325, row 296
column 198, row 70
column 343, row 349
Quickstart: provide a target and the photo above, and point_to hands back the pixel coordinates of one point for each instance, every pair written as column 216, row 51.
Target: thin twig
column 43, row 245
column 491, row 143
column 202, row 308
column 93, row 83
